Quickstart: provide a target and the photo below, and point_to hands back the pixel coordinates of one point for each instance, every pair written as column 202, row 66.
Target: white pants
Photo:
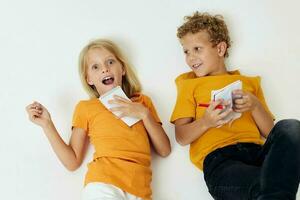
column 103, row 191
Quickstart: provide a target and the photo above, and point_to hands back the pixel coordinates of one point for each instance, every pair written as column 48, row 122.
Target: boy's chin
column 200, row 74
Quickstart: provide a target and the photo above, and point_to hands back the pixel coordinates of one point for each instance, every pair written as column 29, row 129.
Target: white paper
column 109, row 96
column 226, row 94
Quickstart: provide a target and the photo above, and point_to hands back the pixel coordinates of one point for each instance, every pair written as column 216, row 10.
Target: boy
column 236, row 162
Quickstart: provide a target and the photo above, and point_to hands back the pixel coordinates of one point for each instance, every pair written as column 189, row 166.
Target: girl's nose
column 104, row 70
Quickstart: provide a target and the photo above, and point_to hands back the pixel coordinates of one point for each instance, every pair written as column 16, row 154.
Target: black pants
column 251, row 171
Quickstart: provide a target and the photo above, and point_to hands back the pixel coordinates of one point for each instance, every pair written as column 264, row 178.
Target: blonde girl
column 120, row 168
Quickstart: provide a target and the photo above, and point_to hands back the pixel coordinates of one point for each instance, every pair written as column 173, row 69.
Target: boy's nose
column 192, row 58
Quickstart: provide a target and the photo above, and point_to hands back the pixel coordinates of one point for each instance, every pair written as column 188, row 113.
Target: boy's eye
column 185, row 51
column 197, row 48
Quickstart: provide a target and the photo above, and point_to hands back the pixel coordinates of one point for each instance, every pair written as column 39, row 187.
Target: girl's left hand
column 128, row 108
column 244, row 101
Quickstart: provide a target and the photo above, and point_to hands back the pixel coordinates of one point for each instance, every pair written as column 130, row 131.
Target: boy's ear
column 222, row 48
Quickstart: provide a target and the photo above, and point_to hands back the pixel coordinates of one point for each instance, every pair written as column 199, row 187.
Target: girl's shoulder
column 88, row 102
column 140, row 97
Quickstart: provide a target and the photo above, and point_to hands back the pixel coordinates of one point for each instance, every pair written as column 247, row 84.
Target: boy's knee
column 289, row 128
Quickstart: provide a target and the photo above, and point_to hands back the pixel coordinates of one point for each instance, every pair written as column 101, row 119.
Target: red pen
column 206, row 105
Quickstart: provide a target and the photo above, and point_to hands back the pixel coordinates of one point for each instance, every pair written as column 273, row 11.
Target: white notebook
column 226, row 94
column 109, row 96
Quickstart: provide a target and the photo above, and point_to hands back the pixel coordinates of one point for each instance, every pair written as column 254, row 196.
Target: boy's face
column 104, row 70
column 201, row 56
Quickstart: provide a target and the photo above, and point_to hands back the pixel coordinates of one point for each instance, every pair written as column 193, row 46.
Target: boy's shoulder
column 185, row 76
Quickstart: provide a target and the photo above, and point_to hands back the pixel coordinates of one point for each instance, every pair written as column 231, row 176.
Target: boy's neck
column 220, row 70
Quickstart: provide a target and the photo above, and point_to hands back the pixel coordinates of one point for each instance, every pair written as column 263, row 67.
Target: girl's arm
column 250, row 102
column 187, row 130
column 155, row 131
column 71, row 155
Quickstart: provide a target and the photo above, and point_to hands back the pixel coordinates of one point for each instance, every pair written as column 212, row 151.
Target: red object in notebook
column 206, row 105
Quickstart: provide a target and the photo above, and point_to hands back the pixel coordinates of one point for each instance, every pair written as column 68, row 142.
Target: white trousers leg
column 103, row 191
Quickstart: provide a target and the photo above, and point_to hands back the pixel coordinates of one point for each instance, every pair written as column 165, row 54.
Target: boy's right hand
column 38, row 114
column 215, row 117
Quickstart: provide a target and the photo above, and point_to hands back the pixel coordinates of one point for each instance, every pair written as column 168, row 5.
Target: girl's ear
column 123, row 71
column 222, row 48
column 89, row 81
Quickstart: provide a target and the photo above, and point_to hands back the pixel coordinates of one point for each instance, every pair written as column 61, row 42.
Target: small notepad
column 226, row 94
column 109, row 96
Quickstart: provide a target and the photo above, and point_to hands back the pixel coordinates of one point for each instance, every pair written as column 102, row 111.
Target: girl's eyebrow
column 110, row 56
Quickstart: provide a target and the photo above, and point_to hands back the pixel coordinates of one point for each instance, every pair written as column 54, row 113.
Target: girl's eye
column 95, row 67
column 185, row 51
column 110, row 61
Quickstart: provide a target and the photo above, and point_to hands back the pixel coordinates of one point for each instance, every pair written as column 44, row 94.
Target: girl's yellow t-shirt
column 192, row 90
column 122, row 153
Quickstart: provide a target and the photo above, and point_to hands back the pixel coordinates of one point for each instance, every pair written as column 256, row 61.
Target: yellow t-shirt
column 192, row 90
column 122, row 153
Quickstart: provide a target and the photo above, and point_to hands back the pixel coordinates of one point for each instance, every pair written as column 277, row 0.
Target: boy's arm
column 263, row 119
column 250, row 102
column 187, row 130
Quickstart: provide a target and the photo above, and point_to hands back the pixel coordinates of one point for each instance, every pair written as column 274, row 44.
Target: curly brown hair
column 214, row 25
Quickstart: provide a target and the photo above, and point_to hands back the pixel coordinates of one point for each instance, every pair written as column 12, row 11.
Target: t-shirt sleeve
column 185, row 106
column 148, row 103
column 260, row 96
column 80, row 119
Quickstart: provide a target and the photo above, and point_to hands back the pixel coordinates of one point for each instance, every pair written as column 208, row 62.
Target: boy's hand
column 215, row 117
column 38, row 114
column 128, row 108
column 244, row 101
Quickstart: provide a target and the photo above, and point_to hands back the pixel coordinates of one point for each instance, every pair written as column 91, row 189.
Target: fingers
column 119, row 100
column 34, row 110
column 237, row 93
column 34, row 105
column 214, row 104
column 222, row 122
column 117, row 109
column 225, row 114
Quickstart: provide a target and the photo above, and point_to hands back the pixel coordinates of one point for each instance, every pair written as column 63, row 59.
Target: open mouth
column 196, row 66
column 108, row 80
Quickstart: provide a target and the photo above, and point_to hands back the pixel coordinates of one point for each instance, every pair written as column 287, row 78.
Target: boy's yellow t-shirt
column 122, row 153
column 192, row 90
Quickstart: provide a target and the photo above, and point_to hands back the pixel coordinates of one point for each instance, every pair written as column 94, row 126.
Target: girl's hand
column 244, row 101
column 214, row 117
column 38, row 114
column 128, row 108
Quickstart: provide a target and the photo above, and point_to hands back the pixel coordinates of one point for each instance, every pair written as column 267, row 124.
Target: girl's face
column 104, row 70
column 201, row 56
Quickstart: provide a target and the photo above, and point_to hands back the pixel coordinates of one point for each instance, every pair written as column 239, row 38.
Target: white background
column 39, row 46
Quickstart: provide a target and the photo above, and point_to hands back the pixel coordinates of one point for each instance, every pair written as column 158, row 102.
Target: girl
column 120, row 168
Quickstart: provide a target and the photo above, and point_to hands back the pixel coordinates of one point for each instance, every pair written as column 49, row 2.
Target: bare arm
column 187, row 130
column 157, row 134
column 249, row 102
column 71, row 155
column 263, row 120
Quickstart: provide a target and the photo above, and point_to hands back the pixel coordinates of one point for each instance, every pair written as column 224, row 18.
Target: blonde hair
column 214, row 25
column 130, row 82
